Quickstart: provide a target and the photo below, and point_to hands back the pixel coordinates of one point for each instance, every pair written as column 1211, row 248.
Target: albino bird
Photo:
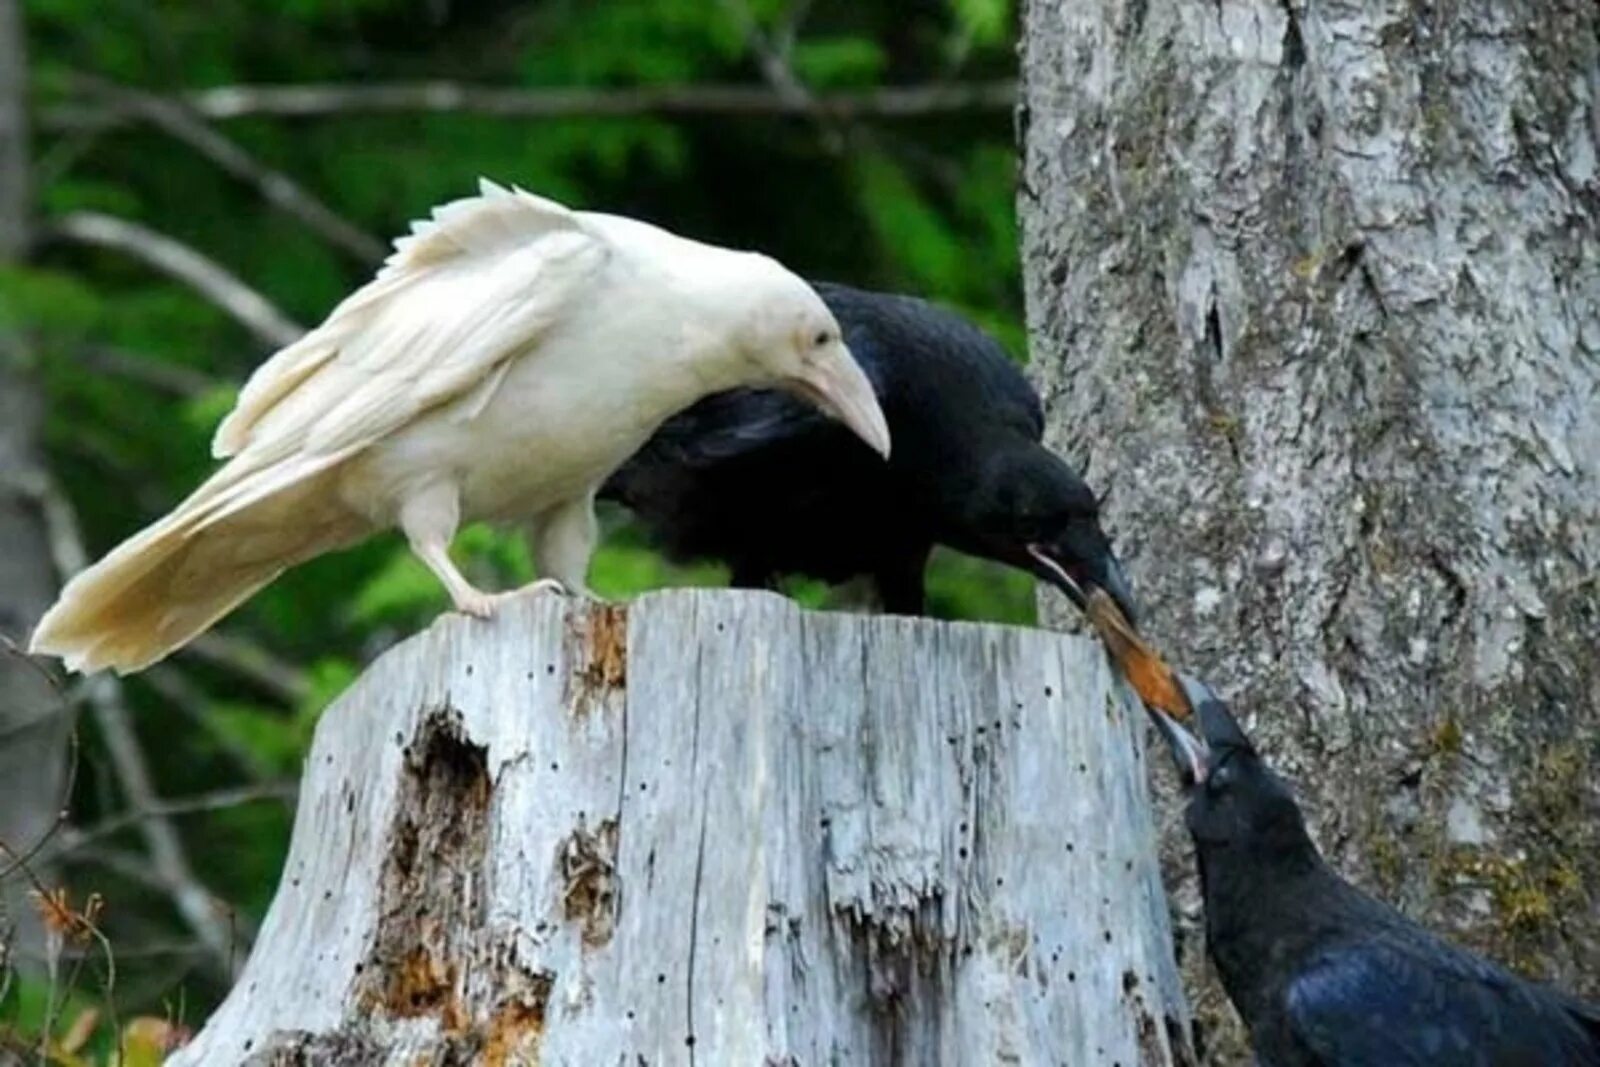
column 509, row 355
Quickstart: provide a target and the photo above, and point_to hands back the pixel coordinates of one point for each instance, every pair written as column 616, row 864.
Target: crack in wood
column 694, row 923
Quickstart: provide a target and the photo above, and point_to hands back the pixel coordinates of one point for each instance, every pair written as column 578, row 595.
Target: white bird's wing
column 467, row 292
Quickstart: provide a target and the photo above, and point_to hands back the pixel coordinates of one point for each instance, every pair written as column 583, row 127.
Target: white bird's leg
column 564, row 540
column 429, row 519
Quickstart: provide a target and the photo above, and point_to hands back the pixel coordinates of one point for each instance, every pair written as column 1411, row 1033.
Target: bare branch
column 177, row 260
column 170, row 378
column 167, row 855
column 318, row 101
column 130, row 865
column 154, row 950
column 161, row 810
column 134, row 868
column 788, row 31
column 179, row 122
column 20, row 858
column 772, row 55
column 109, row 706
column 773, row 58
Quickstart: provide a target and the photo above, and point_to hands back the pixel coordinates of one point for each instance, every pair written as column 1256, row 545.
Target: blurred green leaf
column 275, row 743
column 402, row 590
column 988, row 21
column 835, row 62
column 922, row 243
column 48, row 301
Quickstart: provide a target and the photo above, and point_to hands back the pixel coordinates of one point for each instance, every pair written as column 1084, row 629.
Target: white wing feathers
column 497, row 220
column 467, row 294
column 467, row 291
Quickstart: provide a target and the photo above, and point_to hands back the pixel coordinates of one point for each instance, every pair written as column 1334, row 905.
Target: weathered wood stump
column 712, row 828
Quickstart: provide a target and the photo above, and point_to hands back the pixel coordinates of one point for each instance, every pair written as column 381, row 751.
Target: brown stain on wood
column 424, row 984
column 513, row 1032
column 587, row 861
column 434, row 956
column 431, row 894
column 597, row 648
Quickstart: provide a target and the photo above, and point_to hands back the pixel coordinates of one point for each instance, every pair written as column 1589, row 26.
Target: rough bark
column 33, row 723
column 1315, row 293
column 712, row 828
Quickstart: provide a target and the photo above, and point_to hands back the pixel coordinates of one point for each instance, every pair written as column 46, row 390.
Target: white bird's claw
column 478, row 605
column 484, row 605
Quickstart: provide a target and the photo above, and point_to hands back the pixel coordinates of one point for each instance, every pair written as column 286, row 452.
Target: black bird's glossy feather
column 762, row 481
column 1403, row 1000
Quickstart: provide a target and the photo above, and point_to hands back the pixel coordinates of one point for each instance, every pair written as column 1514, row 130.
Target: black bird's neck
column 1266, row 913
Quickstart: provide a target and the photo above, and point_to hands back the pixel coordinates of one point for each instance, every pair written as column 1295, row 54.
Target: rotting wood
column 772, row 836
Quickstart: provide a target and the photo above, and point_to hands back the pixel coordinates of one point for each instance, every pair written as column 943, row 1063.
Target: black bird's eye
column 1220, row 777
column 821, row 338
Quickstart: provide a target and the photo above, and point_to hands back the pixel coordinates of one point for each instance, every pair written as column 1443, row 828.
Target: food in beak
column 1154, row 681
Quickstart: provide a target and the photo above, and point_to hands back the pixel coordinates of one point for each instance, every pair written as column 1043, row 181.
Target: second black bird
column 1323, row 974
column 760, row 481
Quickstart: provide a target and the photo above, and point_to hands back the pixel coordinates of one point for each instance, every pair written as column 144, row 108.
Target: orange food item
column 1149, row 675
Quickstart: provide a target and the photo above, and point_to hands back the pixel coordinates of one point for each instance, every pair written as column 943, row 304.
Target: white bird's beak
column 840, row 388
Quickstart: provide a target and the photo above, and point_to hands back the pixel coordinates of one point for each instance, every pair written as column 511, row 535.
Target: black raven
column 758, row 480
column 1323, row 974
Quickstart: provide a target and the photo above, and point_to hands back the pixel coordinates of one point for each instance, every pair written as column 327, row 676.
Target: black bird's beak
column 1218, row 728
column 1217, row 724
column 1075, row 577
column 1189, row 753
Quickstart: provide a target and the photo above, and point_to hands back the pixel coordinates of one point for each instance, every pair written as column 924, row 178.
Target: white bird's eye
column 822, row 338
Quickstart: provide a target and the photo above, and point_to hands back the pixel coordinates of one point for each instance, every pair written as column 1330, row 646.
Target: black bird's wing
column 747, row 476
column 770, row 486
column 728, row 425
column 1397, row 1005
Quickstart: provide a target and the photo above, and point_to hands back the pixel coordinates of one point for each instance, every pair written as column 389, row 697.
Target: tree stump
column 709, row 827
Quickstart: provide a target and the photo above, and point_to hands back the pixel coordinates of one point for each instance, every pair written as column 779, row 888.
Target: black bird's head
column 1032, row 511
column 1235, row 799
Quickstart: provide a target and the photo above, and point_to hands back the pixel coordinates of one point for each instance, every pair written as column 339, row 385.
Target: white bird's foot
column 484, row 605
column 478, row 604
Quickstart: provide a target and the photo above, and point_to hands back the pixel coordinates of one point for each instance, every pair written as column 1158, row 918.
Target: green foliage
column 922, row 206
column 987, row 21
column 54, row 303
column 839, row 62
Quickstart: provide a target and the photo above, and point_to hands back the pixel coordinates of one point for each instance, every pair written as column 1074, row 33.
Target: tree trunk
column 1315, row 288
column 33, row 720
column 712, row 828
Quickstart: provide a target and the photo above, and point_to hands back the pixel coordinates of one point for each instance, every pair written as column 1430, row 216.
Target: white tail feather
column 167, row 584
